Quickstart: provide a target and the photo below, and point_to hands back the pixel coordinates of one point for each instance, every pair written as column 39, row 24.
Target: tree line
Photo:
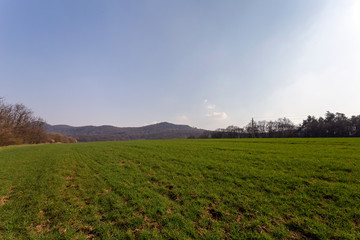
column 332, row 125
column 18, row 125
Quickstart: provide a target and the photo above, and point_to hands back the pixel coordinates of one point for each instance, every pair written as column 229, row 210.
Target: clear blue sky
column 208, row 64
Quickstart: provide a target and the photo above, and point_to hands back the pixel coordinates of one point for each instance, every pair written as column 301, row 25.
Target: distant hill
column 162, row 130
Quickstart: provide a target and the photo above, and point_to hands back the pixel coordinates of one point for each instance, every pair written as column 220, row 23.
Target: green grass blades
column 182, row 189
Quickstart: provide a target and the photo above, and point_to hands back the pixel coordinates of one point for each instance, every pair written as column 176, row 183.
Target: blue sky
column 208, row 64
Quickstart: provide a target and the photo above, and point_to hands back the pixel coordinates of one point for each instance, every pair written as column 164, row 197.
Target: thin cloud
column 211, row 106
column 218, row 115
column 214, row 114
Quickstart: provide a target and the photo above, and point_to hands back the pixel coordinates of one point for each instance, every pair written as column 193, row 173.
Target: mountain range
column 163, row 130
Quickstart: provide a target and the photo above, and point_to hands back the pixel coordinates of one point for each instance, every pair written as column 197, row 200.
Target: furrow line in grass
column 146, row 213
column 132, row 210
column 104, row 175
column 80, row 216
column 32, row 189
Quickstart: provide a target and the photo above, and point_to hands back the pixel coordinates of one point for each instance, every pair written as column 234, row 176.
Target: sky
column 207, row 64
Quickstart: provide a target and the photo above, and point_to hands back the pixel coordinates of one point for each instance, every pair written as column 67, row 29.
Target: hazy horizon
column 206, row 64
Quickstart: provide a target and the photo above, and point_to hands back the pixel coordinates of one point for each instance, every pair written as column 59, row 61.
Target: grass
column 182, row 189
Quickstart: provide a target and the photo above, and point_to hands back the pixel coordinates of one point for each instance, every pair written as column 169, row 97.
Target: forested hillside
column 162, row 130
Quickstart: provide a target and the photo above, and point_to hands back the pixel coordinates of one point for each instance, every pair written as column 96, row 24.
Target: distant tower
column 252, row 128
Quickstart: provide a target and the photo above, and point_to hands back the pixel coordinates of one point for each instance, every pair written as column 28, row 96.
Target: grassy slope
column 180, row 189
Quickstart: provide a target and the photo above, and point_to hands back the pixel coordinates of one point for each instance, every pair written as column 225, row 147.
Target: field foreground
column 182, row 189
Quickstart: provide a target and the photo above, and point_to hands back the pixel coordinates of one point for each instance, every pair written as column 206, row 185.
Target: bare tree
column 18, row 125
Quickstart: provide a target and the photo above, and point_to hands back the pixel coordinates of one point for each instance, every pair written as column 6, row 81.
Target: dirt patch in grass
column 4, row 199
column 44, row 226
column 70, row 181
column 68, row 178
column 213, row 212
column 89, row 231
column 169, row 211
column 123, row 162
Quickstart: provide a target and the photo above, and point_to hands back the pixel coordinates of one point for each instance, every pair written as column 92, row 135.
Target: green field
column 182, row 189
